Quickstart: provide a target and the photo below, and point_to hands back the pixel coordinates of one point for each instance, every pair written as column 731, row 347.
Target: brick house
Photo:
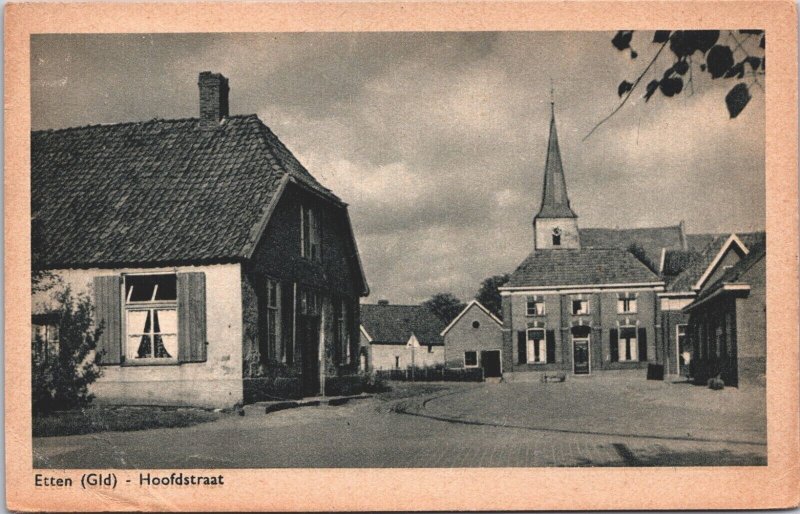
column 598, row 299
column 474, row 339
column 727, row 319
column 222, row 271
column 400, row 336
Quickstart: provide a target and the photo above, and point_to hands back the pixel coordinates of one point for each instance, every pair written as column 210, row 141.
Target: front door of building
column 490, row 362
column 580, row 356
column 308, row 337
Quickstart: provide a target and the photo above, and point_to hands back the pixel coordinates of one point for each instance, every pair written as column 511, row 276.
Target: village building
column 398, row 337
column 474, row 339
column 221, row 271
column 727, row 319
column 590, row 300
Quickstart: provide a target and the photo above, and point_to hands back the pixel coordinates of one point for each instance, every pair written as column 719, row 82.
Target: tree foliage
column 489, row 296
column 638, row 251
column 445, row 306
column 736, row 56
column 62, row 371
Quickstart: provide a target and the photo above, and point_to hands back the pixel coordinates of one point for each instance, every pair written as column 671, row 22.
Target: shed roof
column 394, row 324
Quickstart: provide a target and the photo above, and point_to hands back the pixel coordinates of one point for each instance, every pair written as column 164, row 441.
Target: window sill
column 532, row 363
column 536, row 315
column 149, row 362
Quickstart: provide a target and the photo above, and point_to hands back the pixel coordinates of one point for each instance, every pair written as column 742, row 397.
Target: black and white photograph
column 506, row 249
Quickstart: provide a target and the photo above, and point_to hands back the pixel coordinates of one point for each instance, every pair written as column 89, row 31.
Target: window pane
column 470, row 359
column 162, row 346
column 168, row 321
column 140, row 347
column 137, row 321
column 141, row 288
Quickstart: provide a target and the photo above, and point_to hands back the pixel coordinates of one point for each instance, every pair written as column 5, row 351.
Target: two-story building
column 220, row 269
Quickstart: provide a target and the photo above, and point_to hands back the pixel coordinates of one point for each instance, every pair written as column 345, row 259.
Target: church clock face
column 557, row 231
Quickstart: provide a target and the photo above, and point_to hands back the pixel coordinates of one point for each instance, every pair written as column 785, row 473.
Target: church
column 595, row 300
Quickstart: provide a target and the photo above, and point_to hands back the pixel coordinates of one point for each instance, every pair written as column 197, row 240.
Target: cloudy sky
column 437, row 140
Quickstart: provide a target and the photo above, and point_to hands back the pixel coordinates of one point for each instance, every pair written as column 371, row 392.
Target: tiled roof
column 734, row 274
column 651, row 239
column 701, row 260
column 580, row 267
column 157, row 191
column 394, row 324
column 675, row 261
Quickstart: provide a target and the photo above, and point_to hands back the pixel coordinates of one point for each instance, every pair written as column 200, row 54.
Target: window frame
column 532, row 300
column 633, row 342
column 477, row 359
column 631, row 302
column 530, row 346
column 310, row 234
column 150, row 307
column 582, row 301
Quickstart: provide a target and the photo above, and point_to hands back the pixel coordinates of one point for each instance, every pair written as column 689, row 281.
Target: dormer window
column 556, row 236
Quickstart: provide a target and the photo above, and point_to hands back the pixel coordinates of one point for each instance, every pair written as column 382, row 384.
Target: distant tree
column 445, row 306
column 736, row 56
column 489, row 296
column 638, row 251
column 63, row 370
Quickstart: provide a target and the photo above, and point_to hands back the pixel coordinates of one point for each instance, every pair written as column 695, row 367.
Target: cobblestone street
column 456, row 425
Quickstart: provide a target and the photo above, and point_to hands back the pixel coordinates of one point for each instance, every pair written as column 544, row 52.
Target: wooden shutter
column 522, row 348
column 641, row 338
column 192, row 317
column 108, row 307
column 613, row 341
column 551, row 346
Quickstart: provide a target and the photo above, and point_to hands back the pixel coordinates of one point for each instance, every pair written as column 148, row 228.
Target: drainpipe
column 322, row 364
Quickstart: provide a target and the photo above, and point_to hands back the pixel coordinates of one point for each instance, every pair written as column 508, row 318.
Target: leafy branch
column 718, row 60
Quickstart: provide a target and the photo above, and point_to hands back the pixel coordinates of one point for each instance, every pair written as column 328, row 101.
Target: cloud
column 437, row 140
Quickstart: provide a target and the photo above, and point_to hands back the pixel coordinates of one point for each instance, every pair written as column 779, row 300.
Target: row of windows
column 578, row 307
column 538, row 346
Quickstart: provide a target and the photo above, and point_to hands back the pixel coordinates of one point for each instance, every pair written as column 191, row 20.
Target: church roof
column 594, row 266
column 555, row 202
column 651, row 239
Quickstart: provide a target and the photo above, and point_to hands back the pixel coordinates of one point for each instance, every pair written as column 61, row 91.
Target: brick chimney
column 213, row 98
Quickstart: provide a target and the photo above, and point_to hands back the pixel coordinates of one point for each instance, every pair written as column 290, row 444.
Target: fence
column 438, row 374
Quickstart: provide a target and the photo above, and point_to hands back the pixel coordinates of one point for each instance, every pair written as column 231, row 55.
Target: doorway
column 490, row 362
column 580, row 357
column 308, row 336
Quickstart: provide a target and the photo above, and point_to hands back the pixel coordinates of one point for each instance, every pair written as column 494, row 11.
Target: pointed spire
column 555, row 202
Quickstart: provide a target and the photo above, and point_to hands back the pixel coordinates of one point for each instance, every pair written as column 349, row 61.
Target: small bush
column 62, row 372
column 373, row 383
column 716, row 383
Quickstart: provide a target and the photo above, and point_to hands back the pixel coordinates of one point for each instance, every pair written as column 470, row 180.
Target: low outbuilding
column 474, row 339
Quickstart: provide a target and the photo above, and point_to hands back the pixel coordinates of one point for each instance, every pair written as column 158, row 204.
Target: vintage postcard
column 401, row 256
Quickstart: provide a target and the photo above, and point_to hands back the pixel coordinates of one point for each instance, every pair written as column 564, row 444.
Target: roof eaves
column 257, row 231
column 733, row 238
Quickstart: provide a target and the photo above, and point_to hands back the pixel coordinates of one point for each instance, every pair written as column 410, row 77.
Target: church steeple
column 555, row 202
column 556, row 224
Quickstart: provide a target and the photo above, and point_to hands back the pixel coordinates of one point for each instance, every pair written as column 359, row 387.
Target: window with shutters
column 535, row 306
column 628, row 347
column 470, row 359
column 310, row 240
column 151, row 318
column 536, row 347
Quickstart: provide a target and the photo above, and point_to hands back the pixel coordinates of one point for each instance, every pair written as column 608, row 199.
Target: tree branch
column 633, row 87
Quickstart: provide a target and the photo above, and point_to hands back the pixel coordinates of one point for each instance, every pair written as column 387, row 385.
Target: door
column 580, row 357
column 308, row 332
column 490, row 362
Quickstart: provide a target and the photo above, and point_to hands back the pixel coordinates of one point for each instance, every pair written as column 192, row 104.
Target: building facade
column 398, row 337
column 474, row 339
column 595, row 300
column 221, row 271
